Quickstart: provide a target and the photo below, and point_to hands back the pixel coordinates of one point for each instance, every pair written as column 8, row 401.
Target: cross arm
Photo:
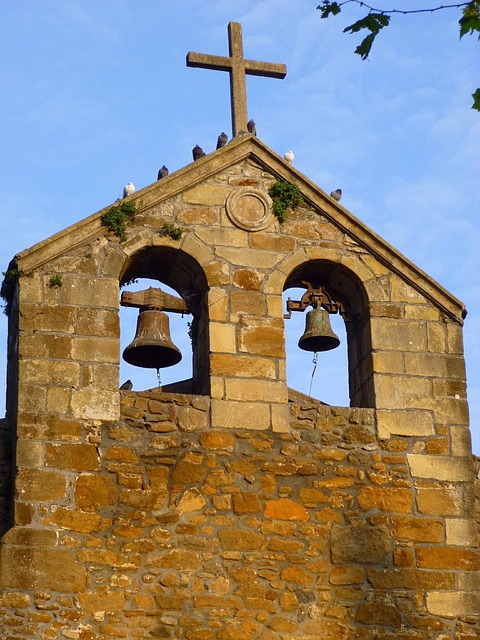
column 205, row 61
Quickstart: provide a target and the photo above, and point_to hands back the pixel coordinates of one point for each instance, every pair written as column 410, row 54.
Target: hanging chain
column 314, row 361
column 158, row 378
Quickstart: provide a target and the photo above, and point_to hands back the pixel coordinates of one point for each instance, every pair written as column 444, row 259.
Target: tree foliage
column 377, row 19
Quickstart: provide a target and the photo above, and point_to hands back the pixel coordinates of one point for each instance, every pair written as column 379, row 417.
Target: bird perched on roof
column 162, row 173
column 127, row 386
column 289, row 157
column 336, row 195
column 252, row 127
column 222, row 140
column 128, row 189
column 197, row 152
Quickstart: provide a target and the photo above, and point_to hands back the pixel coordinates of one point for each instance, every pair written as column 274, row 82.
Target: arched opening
column 342, row 376
column 176, row 273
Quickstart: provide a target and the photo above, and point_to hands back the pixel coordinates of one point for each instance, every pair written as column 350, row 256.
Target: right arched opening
column 353, row 359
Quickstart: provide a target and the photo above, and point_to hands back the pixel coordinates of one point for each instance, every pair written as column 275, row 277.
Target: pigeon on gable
column 197, row 152
column 128, row 189
column 336, row 195
column 162, row 173
column 289, row 157
column 252, row 127
column 222, row 140
column 127, row 386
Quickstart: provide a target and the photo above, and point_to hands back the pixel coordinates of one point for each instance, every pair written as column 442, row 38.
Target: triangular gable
column 240, row 148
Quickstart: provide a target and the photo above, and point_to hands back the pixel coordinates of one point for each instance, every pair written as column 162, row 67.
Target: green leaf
column 476, row 100
column 363, row 49
column 328, row 8
column 373, row 22
column 470, row 20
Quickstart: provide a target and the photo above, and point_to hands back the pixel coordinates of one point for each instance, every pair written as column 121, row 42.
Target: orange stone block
column 285, row 509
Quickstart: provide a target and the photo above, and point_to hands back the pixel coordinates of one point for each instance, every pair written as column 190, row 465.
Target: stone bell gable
column 227, row 505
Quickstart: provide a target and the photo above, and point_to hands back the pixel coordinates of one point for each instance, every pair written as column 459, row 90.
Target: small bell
column 318, row 335
column 152, row 346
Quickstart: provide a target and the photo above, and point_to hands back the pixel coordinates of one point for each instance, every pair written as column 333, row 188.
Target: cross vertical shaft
column 237, row 67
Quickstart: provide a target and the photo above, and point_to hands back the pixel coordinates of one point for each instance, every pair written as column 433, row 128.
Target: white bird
column 336, row 195
column 128, row 189
column 289, row 157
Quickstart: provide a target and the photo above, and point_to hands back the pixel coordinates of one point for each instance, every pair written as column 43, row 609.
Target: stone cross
column 237, row 67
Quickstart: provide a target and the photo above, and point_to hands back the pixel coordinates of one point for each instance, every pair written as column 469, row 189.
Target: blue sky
column 96, row 94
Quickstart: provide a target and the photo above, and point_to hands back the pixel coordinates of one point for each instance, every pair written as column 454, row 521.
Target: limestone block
column 440, row 500
column 30, row 288
column 400, row 392
column 95, row 404
column 200, row 251
column 461, row 532
column 404, row 292
column 285, row 509
column 418, row 529
column 206, row 194
column 98, row 322
column 322, row 253
column 221, row 236
column 280, row 418
column 222, row 338
column 438, row 365
column 410, row 578
column 217, row 305
column 29, row 453
column 74, row 520
column 93, row 491
column 90, row 291
column 57, row 400
column 40, row 345
column 404, row 423
column 436, row 337
column 49, row 372
column 242, row 366
column 41, row 568
column 76, row 457
column 388, row 362
column 272, row 242
column 191, row 419
column 40, row 485
column 454, row 338
column 441, row 467
column 451, row 604
column 422, row 312
column 451, row 411
column 102, row 601
column 249, row 279
column 30, row 537
column 275, row 306
column 47, row 318
column 217, row 273
column 260, row 336
column 386, row 310
column 89, row 349
column 360, row 544
column 245, row 257
column 388, row 499
column 207, row 216
column 217, row 441
column 254, row 390
column 398, row 335
column 461, row 441
column 31, row 398
column 250, row 302
column 240, row 415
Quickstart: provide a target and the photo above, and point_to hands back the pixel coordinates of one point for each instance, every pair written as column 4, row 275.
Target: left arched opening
column 178, row 274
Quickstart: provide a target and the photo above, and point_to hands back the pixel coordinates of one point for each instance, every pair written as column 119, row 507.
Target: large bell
column 152, row 346
column 318, row 335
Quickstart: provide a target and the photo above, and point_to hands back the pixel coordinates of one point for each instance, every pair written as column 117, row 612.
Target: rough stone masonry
column 228, row 506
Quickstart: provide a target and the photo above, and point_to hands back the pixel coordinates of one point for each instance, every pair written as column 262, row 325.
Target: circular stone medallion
column 249, row 209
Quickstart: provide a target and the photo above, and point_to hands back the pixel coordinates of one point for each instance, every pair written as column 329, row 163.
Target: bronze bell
column 152, row 346
column 318, row 335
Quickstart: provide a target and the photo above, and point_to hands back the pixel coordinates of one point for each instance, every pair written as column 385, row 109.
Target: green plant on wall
column 285, row 195
column 56, row 281
column 10, row 278
column 169, row 229
column 117, row 217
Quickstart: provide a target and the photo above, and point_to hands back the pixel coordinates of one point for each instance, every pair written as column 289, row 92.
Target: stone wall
column 158, row 525
column 241, row 510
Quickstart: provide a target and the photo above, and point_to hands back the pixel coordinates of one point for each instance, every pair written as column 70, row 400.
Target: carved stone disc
column 249, row 209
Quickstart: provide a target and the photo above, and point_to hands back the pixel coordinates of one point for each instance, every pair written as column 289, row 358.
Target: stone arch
column 181, row 272
column 346, row 287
